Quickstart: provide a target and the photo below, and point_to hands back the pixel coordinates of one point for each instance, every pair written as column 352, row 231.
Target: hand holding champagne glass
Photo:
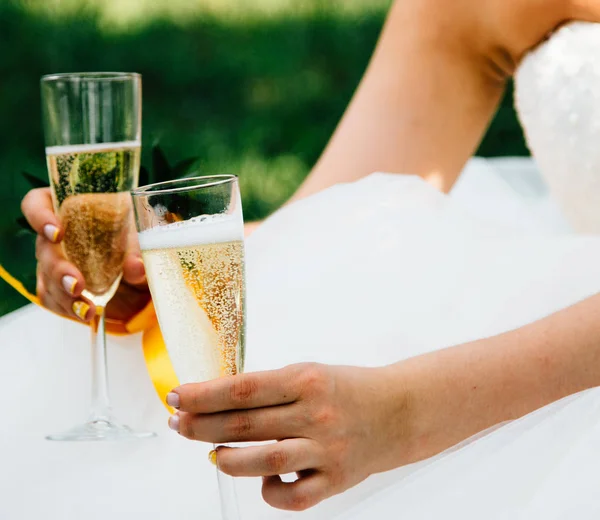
column 191, row 234
column 92, row 125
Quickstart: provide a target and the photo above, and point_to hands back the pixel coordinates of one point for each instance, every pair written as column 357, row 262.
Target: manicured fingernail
column 81, row 309
column 173, row 399
column 174, row 423
column 212, row 457
column 51, row 232
column 69, row 283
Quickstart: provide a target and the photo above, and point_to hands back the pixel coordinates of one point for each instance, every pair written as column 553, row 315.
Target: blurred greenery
column 253, row 88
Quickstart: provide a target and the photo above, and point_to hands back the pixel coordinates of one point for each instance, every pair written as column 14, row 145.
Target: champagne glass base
column 100, row 430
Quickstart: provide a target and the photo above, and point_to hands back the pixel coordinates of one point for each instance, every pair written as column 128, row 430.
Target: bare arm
column 496, row 379
column 342, row 424
column 432, row 88
column 421, row 107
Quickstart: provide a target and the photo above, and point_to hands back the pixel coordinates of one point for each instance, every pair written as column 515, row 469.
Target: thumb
column 134, row 272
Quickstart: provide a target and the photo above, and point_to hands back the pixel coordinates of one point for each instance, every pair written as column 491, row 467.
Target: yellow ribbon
column 158, row 364
column 18, row 286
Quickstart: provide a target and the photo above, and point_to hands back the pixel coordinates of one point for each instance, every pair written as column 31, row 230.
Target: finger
column 58, row 302
column 60, row 284
column 42, row 294
column 243, row 391
column 306, row 492
column 72, row 308
column 263, row 424
column 48, row 301
column 38, row 210
column 280, row 458
column 58, row 271
column 134, row 272
column 78, row 308
column 128, row 302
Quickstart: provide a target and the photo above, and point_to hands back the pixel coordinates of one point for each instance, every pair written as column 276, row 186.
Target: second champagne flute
column 191, row 234
column 92, row 128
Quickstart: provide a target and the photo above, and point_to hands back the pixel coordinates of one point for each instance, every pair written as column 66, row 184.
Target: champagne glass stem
column 100, row 425
column 228, row 496
column 100, row 401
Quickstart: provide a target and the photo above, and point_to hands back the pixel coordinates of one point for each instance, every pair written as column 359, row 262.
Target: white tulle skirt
column 367, row 273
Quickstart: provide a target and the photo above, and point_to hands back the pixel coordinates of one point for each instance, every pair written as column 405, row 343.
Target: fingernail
column 212, row 457
column 173, row 400
column 69, row 283
column 174, row 423
column 51, row 232
column 81, row 309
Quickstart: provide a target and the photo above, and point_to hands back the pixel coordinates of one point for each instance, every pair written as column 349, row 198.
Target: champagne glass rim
column 90, row 76
column 183, row 185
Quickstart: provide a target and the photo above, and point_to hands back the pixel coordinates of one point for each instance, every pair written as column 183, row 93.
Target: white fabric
column 365, row 273
column 44, row 388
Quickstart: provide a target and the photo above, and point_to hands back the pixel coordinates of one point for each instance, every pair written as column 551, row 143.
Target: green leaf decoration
column 18, row 257
column 182, row 168
column 34, row 181
column 161, row 171
column 144, row 176
column 24, row 225
column 29, row 281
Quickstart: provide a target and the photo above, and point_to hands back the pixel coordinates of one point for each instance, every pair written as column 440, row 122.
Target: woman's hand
column 59, row 282
column 333, row 427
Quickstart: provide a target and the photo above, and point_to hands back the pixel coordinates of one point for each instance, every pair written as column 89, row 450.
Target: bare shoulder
column 520, row 25
column 501, row 31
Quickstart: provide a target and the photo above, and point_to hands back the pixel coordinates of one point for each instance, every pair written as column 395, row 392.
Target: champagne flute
column 92, row 128
column 191, row 233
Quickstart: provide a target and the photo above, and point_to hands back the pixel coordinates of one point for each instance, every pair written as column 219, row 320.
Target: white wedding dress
column 366, row 273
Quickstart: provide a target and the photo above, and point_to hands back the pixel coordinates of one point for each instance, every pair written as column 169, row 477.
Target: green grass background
column 254, row 88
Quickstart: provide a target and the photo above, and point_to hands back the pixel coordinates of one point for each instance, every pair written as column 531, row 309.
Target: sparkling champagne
column 195, row 271
column 90, row 188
